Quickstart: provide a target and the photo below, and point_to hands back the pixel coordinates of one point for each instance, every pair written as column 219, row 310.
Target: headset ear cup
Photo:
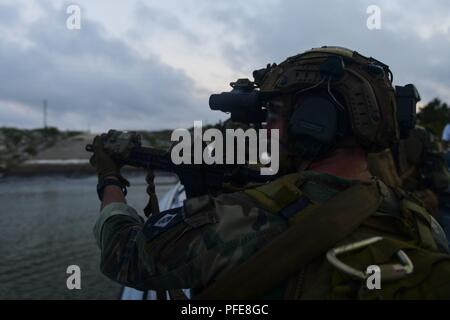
column 313, row 127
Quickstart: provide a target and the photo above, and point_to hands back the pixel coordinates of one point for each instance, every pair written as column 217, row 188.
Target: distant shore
column 49, row 151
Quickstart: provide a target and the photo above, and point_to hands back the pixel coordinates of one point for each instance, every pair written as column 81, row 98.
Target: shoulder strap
column 382, row 165
column 316, row 231
column 422, row 221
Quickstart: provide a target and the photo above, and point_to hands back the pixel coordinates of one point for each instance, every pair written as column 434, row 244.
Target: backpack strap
column 316, row 231
column 422, row 220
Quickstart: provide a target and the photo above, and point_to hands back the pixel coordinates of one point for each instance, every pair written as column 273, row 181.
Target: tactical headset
column 331, row 92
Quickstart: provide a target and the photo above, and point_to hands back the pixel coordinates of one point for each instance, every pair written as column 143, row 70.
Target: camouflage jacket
column 421, row 162
column 190, row 246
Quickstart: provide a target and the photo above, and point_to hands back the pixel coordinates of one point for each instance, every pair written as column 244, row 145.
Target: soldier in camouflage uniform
column 417, row 165
column 311, row 233
column 422, row 167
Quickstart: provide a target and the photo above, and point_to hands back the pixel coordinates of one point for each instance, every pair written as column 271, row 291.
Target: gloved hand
column 103, row 163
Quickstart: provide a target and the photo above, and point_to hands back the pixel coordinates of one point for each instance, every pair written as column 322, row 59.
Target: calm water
column 45, row 226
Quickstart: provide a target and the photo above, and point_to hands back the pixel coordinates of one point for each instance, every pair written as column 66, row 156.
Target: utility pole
column 45, row 114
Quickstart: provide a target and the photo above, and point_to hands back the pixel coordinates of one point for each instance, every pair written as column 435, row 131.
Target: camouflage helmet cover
column 365, row 87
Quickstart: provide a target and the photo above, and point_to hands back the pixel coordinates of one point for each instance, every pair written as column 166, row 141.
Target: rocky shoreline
column 49, row 151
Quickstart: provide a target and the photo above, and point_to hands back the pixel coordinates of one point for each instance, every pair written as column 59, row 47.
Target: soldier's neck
column 349, row 163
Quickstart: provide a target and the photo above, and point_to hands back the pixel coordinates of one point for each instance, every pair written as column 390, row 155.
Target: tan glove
column 104, row 164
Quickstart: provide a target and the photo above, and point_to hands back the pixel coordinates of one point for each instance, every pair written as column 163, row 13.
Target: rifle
column 197, row 179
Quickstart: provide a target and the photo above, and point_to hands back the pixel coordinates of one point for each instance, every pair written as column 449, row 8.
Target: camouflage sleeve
column 185, row 247
column 117, row 233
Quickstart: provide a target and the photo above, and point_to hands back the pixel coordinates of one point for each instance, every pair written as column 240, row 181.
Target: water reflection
column 45, row 225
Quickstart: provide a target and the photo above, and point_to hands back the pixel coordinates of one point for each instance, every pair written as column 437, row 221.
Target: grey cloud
column 151, row 19
column 100, row 79
column 284, row 28
column 9, row 14
column 85, row 72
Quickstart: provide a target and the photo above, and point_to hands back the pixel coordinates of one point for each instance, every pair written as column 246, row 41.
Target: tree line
column 435, row 115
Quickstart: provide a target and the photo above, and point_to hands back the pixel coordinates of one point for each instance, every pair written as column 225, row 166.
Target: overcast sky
column 139, row 64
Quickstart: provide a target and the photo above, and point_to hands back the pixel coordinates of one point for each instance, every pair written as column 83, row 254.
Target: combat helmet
column 327, row 93
column 350, row 82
